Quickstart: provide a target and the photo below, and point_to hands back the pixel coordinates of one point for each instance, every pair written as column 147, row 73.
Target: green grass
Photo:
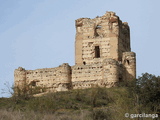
column 85, row 104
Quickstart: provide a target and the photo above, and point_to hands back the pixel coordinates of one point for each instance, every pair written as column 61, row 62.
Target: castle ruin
column 103, row 58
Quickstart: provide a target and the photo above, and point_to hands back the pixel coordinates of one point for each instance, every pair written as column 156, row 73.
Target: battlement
column 103, row 58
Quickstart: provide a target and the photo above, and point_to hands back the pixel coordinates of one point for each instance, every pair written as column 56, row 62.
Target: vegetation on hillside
column 134, row 97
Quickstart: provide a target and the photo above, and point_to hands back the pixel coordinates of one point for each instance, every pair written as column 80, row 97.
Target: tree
column 148, row 90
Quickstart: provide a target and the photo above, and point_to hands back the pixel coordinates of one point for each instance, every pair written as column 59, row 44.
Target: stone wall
column 105, row 74
column 88, row 50
column 86, row 76
column 53, row 79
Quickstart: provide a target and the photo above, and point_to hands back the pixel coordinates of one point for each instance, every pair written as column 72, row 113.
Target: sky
column 41, row 33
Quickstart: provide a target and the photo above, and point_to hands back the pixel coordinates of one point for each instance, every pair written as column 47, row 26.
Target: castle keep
column 103, row 58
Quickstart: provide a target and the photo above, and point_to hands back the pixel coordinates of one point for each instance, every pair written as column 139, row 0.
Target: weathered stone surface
column 103, row 58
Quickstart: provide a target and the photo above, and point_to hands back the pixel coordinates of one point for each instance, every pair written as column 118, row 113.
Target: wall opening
column 97, row 52
column 98, row 27
column 97, row 30
column 127, row 62
column 33, row 83
column 84, row 63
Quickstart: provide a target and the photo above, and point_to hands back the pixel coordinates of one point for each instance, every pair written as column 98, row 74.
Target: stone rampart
column 53, row 79
column 86, row 76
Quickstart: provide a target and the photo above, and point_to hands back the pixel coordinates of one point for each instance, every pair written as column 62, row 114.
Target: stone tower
column 105, row 37
column 101, row 38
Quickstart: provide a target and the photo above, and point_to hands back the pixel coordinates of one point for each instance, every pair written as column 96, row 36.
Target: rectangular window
column 97, row 52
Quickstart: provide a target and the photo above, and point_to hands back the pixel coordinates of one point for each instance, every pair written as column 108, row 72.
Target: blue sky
column 41, row 33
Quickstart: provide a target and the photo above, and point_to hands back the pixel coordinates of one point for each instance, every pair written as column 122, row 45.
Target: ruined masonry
column 103, row 58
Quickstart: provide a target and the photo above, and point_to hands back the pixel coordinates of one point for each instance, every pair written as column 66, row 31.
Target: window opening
column 97, row 52
column 98, row 27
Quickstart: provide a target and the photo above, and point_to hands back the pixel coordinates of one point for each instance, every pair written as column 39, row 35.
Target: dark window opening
column 120, row 79
column 33, row 83
column 84, row 63
column 97, row 52
column 128, row 62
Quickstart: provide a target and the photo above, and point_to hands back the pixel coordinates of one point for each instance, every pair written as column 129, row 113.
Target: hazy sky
column 41, row 33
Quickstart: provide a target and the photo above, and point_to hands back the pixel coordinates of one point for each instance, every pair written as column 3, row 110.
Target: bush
column 137, row 96
column 101, row 114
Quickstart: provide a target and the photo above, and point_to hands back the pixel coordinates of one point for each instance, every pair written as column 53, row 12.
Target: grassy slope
column 87, row 104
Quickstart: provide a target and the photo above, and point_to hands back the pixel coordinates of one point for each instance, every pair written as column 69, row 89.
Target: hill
column 87, row 104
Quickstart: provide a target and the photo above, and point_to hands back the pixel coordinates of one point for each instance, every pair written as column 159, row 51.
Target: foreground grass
column 87, row 104
column 31, row 115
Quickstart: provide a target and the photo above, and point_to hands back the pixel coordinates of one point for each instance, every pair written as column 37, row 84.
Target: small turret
column 20, row 77
column 110, row 72
column 129, row 65
column 65, row 77
column 66, row 73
